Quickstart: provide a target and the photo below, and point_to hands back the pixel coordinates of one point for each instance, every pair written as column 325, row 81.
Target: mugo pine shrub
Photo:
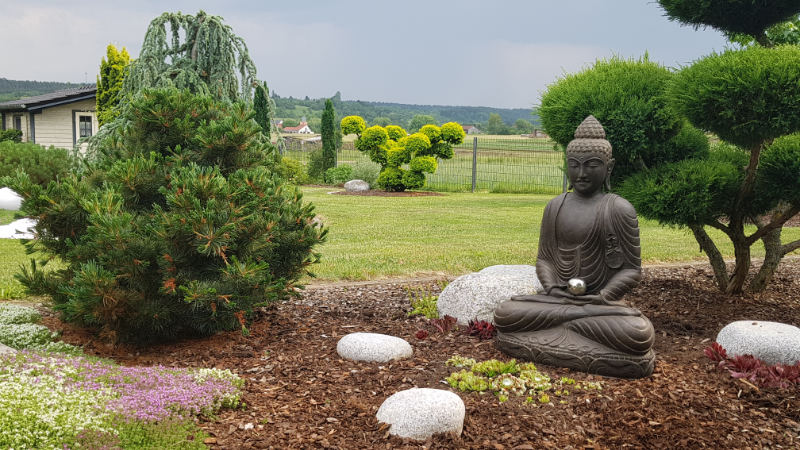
column 179, row 228
column 404, row 158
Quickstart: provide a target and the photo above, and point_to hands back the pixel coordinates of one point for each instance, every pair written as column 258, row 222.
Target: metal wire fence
column 480, row 163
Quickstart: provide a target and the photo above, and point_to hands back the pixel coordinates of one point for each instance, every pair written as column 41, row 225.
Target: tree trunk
column 772, row 257
column 741, row 251
column 714, row 256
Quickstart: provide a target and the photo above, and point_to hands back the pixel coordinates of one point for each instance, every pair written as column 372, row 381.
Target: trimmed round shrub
column 779, row 172
column 689, row 143
column 391, row 179
column 692, row 191
column 433, row 132
column 627, row 97
column 397, row 156
column 413, row 180
column 441, row 149
column 746, row 97
column 423, row 164
column 372, row 137
column 748, row 17
column 417, row 142
column 395, row 132
column 353, row 125
column 453, row 133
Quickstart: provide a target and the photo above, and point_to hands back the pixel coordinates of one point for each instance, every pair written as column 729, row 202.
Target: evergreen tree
column 261, row 105
column 328, row 136
column 183, row 232
column 198, row 53
column 109, row 83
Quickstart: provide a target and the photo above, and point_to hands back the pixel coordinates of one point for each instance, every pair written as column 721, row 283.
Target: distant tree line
column 380, row 113
column 14, row 89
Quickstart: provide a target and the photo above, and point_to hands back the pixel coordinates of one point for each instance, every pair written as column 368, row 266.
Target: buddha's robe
column 608, row 260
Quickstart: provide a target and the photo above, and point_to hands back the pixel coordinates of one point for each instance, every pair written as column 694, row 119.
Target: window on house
column 84, row 126
column 18, row 123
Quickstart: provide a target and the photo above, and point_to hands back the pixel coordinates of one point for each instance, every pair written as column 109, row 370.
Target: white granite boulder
column 419, row 413
column 373, row 347
column 356, row 186
column 771, row 342
column 476, row 295
column 9, row 199
column 6, row 350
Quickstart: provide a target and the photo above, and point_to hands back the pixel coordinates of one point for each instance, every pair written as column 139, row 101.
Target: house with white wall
column 59, row 118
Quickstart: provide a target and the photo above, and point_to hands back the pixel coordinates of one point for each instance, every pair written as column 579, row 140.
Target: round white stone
column 476, row 295
column 771, row 342
column 419, row 413
column 356, row 186
column 9, row 199
column 18, row 229
column 373, row 347
column 6, row 350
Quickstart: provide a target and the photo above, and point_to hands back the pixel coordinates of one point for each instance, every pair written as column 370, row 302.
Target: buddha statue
column 589, row 257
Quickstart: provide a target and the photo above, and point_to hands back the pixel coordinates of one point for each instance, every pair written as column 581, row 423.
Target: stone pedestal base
column 562, row 347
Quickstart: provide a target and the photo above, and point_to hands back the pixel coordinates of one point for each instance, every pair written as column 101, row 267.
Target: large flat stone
column 373, row 347
column 771, row 342
column 476, row 295
column 419, row 413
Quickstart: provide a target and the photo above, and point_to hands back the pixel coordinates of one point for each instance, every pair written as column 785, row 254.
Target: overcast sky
column 465, row 52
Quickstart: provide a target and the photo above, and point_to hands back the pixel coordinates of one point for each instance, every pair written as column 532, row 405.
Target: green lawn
column 6, row 216
column 445, row 235
column 455, row 233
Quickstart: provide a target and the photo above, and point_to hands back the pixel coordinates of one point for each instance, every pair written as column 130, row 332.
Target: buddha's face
column 587, row 172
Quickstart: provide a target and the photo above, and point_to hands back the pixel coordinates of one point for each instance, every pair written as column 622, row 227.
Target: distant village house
column 300, row 129
column 59, row 118
column 469, row 129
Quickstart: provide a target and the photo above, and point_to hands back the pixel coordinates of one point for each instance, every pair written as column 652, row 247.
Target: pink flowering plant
column 50, row 399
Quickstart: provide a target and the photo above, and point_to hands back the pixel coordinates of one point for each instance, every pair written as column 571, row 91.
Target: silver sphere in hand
column 576, row 286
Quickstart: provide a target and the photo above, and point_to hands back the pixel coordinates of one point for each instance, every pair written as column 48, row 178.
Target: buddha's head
column 589, row 161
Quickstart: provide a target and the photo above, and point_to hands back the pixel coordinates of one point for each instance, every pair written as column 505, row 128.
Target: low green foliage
column 11, row 135
column 293, row 171
column 423, row 303
column 25, row 335
column 505, row 379
column 40, row 163
column 366, row 171
column 339, row 175
column 16, row 314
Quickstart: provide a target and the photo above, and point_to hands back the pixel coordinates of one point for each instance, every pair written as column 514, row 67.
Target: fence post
column 474, row 161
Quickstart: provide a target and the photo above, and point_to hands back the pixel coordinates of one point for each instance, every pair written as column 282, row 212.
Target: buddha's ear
column 610, row 167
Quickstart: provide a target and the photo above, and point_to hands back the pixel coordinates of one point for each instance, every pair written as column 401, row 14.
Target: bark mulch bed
column 300, row 394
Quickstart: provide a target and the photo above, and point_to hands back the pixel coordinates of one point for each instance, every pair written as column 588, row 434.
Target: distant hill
column 14, row 89
column 397, row 113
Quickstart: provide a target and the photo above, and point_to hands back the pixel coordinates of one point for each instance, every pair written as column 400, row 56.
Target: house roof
column 51, row 99
column 297, row 128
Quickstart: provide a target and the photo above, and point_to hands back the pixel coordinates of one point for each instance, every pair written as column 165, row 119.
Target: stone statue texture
column 591, row 236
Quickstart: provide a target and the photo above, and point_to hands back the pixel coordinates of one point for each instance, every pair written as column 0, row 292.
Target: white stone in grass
column 9, row 199
column 476, row 295
column 6, row 350
column 419, row 413
column 373, row 347
column 356, row 186
column 771, row 342
column 18, row 229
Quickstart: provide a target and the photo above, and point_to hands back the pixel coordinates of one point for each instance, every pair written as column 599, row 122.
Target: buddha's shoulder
column 621, row 206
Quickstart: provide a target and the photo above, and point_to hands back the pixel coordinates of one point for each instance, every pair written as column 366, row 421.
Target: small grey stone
column 771, row 342
column 476, row 295
column 356, row 186
column 373, row 347
column 6, row 350
column 419, row 413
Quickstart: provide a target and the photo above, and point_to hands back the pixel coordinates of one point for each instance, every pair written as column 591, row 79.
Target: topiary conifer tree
column 328, row 133
column 109, row 83
column 182, row 231
column 753, row 178
column 404, row 158
column 263, row 109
